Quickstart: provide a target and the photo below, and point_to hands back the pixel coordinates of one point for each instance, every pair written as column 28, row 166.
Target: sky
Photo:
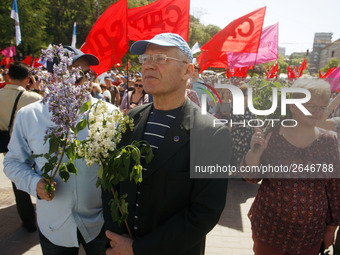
column 298, row 20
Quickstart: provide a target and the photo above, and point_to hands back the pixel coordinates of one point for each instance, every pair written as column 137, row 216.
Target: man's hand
column 41, row 190
column 120, row 245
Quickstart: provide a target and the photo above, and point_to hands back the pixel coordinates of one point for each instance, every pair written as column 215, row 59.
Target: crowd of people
column 170, row 212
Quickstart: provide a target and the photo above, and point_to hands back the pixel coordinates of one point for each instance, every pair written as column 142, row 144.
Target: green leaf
column 36, row 156
column 100, row 172
column 115, row 214
column 53, row 160
column 70, row 152
column 53, row 146
column 135, row 154
column 47, row 167
column 71, row 168
column 85, row 107
column 45, row 175
column 80, row 125
column 63, row 173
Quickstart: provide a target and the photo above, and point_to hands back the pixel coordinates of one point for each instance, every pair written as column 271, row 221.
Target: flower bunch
column 101, row 146
column 104, row 133
column 67, row 103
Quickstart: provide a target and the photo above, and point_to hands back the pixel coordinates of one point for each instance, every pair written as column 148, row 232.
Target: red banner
column 241, row 35
column 27, row 60
column 108, row 39
column 162, row 16
column 212, row 59
column 323, row 76
column 302, row 67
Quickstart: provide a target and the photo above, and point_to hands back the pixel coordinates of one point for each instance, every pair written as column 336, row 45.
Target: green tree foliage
column 33, row 20
column 45, row 22
column 332, row 63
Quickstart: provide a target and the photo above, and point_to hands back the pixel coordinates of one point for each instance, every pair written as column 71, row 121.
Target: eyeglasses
column 139, row 85
column 157, row 58
column 314, row 107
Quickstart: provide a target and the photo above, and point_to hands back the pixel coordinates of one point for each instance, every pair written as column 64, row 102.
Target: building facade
column 329, row 52
column 321, row 40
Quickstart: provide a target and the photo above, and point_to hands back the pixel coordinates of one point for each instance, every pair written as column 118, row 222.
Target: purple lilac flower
column 64, row 99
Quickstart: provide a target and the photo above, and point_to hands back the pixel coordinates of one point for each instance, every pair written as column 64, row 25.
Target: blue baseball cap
column 165, row 39
column 92, row 59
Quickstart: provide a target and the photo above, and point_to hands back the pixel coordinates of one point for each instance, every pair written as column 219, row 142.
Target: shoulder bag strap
column 14, row 109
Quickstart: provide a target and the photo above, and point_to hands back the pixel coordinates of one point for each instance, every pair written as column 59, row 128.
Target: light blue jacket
column 77, row 203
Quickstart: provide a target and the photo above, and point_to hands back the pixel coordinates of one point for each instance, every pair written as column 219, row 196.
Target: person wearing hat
column 113, row 90
column 72, row 215
column 170, row 212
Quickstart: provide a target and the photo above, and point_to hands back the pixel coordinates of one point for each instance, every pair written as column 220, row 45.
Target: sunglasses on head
column 139, row 85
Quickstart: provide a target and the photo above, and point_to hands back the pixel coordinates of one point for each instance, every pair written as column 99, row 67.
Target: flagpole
column 127, row 68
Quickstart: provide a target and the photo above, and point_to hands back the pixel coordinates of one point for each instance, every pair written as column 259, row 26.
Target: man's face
column 107, row 82
column 196, row 73
column 85, row 67
column 162, row 79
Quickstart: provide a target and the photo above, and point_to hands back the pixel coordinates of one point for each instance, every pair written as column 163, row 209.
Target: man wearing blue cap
column 169, row 212
column 72, row 214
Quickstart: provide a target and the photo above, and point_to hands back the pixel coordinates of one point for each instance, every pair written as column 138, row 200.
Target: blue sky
column 298, row 19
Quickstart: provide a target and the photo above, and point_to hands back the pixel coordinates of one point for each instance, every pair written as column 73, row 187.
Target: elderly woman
column 291, row 215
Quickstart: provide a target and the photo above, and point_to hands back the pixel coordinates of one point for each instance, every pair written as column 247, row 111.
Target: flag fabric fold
column 108, row 39
column 267, row 51
column 241, row 35
column 217, row 59
column 15, row 15
column 27, row 60
column 334, row 79
column 74, row 35
column 329, row 71
column 171, row 16
column 36, row 63
column 302, row 67
column 9, row 52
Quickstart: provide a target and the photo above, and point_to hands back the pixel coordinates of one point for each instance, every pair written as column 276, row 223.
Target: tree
column 332, row 63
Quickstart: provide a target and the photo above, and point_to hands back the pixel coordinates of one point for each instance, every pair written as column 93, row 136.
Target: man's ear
column 189, row 71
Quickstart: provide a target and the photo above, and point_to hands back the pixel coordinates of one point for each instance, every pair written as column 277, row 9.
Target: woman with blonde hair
column 97, row 91
column 295, row 212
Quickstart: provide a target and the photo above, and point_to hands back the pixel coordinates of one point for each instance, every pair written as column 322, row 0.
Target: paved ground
column 231, row 236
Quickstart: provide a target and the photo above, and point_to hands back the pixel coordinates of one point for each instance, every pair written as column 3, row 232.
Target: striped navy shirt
column 158, row 124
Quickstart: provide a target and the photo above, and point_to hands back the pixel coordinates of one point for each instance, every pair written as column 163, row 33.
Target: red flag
column 35, row 63
column 272, row 73
column 108, row 39
column 212, row 59
column 302, row 67
column 159, row 17
column 292, row 73
column 241, row 35
column 267, row 51
column 4, row 61
column 329, row 71
column 27, row 60
column 9, row 61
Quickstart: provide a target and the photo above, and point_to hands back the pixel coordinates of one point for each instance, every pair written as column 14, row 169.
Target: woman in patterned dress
column 293, row 213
